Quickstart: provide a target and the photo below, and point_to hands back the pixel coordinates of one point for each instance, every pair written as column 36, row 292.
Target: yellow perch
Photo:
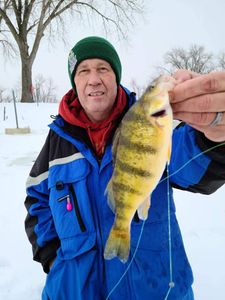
column 141, row 149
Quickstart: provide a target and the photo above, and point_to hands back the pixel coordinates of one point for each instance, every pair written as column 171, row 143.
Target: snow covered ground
column 202, row 218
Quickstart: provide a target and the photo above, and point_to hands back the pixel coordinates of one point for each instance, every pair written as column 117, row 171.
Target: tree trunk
column 27, row 87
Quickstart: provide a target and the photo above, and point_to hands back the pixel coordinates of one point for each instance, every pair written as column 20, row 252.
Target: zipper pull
column 69, row 204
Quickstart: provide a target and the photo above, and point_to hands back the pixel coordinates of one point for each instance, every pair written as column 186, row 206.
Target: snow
column 202, row 218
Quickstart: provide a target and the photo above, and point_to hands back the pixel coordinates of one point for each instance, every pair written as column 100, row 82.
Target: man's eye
column 82, row 71
column 103, row 69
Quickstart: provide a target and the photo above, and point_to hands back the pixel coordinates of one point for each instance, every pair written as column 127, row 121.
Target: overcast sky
column 168, row 24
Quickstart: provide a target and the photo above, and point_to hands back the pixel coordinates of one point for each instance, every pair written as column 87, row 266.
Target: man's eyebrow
column 105, row 64
column 101, row 64
column 81, row 66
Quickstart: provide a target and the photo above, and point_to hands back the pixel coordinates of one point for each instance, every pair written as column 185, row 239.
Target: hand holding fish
column 199, row 100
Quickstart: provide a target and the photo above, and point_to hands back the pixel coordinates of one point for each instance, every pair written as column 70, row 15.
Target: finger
column 182, row 75
column 198, row 119
column 204, row 103
column 204, row 84
column 216, row 134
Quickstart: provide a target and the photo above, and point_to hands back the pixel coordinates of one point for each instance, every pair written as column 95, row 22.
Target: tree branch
column 54, row 13
column 27, row 11
column 104, row 18
column 10, row 25
column 17, row 12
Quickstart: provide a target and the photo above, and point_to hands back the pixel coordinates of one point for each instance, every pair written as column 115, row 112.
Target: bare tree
column 1, row 94
column 44, row 90
column 195, row 59
column 5, row 95
column 27, row 21
column 221, row 61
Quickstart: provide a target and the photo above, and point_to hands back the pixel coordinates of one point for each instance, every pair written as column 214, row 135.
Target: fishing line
column 128, row 267
column 171, row 283
column 190, row 160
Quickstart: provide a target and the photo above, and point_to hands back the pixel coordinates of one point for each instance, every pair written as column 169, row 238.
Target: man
column 68, row 219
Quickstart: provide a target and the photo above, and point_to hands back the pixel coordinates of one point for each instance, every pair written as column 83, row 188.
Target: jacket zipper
column 77, row 210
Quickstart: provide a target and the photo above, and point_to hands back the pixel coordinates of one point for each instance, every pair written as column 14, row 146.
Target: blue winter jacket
column 67, row 171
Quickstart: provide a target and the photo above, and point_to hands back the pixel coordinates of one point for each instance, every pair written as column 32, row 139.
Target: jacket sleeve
column 39, row 223
column 197, row 164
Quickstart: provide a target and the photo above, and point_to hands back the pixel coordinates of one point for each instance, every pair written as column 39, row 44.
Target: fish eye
column 150, row 87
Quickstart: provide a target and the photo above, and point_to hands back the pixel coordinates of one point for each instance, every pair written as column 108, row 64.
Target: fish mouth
column 160, row 113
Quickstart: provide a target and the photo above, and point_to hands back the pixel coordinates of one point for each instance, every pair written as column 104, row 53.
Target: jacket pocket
column 71, row 209
column 76, row 208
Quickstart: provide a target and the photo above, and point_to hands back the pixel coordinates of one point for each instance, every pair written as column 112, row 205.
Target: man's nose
column 94, row 78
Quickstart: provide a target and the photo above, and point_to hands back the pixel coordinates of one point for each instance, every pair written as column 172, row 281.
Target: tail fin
column 118, row 244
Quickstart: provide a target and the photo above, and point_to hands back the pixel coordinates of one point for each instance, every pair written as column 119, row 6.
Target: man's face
column 96, row 88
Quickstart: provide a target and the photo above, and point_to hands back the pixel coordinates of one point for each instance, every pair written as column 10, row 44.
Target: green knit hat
column 93, row 47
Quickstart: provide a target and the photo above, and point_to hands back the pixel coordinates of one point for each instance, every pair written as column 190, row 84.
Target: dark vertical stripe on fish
column 125, row 188
column 124, row 141
column 121, row 205
column 132, row 170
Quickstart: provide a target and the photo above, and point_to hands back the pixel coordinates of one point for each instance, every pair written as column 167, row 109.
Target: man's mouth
column 95, row 94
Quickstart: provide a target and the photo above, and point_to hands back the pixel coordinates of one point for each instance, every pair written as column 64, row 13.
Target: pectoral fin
column 110, row 197
column 116, row 139
column 143, row 208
